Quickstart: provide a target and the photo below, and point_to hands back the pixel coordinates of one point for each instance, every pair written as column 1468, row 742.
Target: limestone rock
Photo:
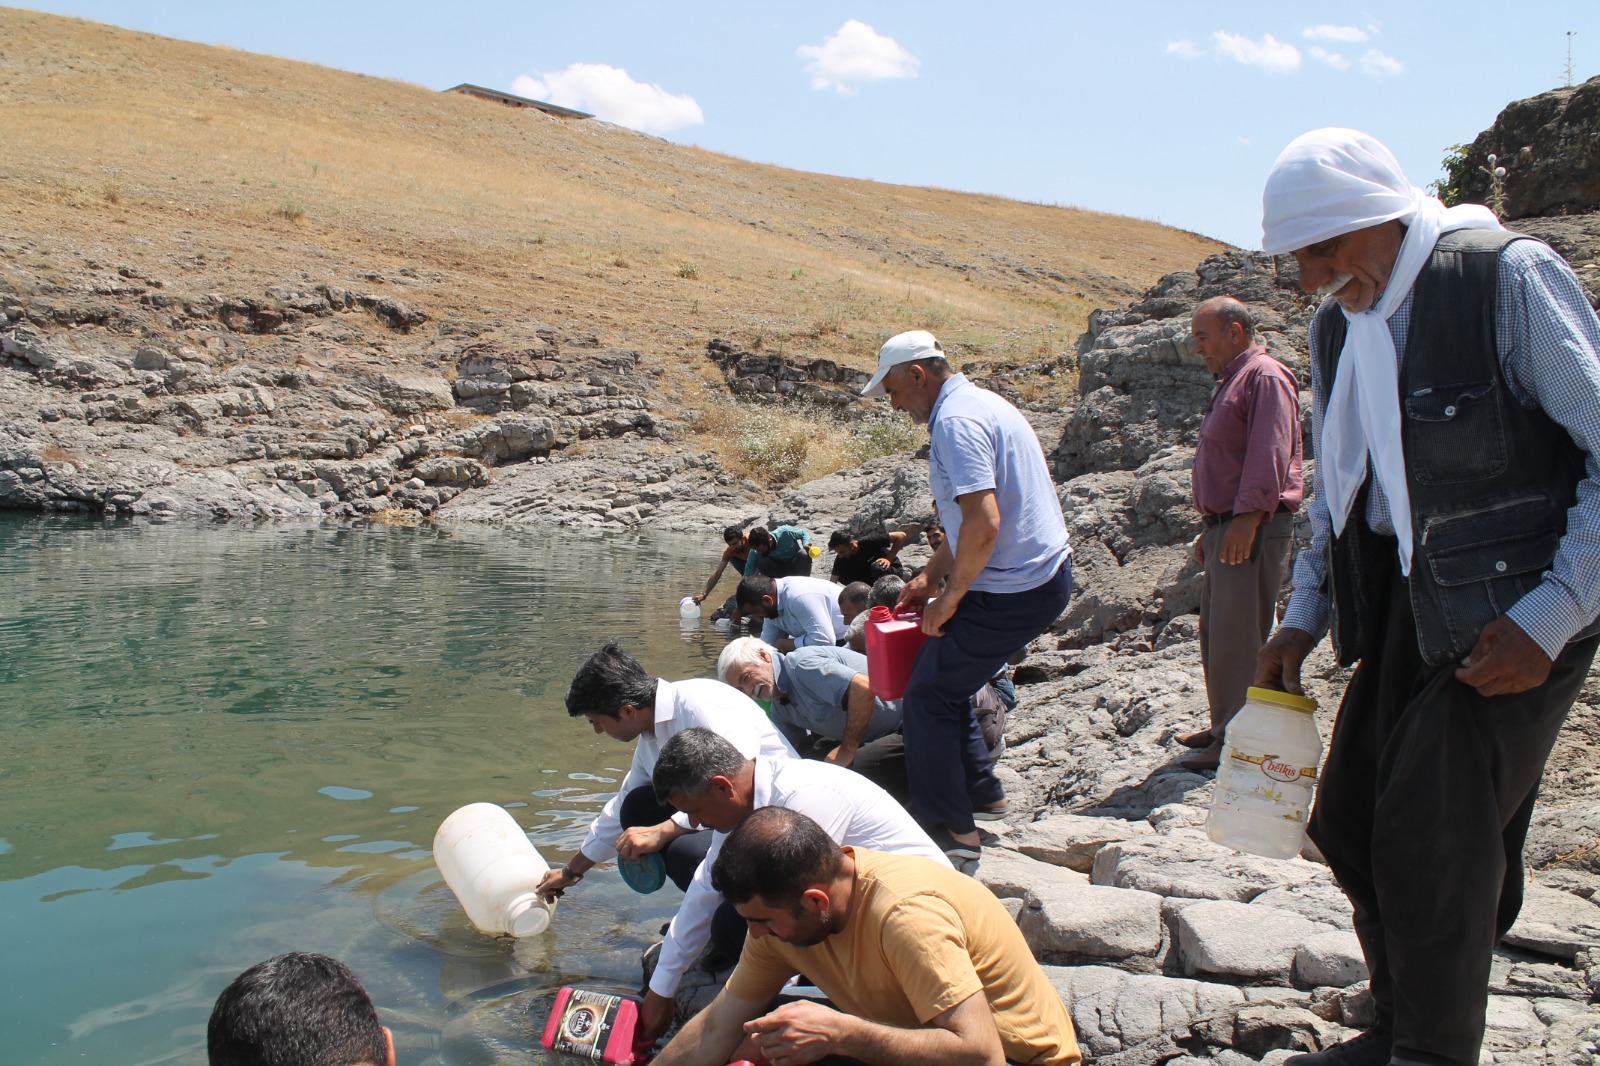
column 1555, row 923
column 1184, row 863
column 1009, row 874
column 1332, row 959
column 1113, row 1010
column 1072, row 840
column 1084, row 921
column 1225, row 937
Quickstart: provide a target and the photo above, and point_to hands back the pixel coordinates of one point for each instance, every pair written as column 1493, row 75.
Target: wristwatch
column 570, row 874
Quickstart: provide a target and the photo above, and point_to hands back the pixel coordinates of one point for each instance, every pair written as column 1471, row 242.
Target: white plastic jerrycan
column 493, row 868
column 1269, row 766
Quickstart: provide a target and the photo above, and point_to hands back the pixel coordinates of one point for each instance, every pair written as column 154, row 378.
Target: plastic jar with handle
column 493, row 869
column 1268, row 774
column 892, row 645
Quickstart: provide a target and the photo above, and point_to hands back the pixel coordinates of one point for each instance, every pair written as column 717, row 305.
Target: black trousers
column 683, row 857
column 1422, row 813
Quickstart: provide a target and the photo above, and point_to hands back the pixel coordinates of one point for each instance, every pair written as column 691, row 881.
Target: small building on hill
column 510, row 100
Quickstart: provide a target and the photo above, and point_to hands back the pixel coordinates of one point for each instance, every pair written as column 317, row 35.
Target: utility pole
column 1570, row 35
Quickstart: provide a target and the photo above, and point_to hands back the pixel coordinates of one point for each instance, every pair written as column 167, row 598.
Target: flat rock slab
column 1008, row 874
column 1064, row 917
column 1073, row 840
column 1321, row 900
column 1185, row 863
column 1113, row 1010
column 1329, row 960
column 1236, row 939
column 1555, row 923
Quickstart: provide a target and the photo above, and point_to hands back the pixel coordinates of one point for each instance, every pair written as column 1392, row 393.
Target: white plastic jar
column 1268, row 774
column 493, row 868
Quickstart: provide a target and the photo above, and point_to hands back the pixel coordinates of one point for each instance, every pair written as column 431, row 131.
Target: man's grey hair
column 885, row 591
column 746, row 651
column 1229, row 312
column 689, row 760
column 854, row 596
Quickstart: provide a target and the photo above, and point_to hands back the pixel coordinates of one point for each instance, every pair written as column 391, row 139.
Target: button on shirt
column 815, row 683
column 681, row 705
column 978, row 441
column 1248, row 455
column 851, row 810
column 1549, row 345
column 808, row 612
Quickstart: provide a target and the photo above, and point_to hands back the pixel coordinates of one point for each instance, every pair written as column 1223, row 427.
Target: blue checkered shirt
column 1549, row 343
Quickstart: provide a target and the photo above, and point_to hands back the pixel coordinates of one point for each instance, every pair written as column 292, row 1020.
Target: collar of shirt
column 778, row 668
column 761, row 788
column 951, row 384
column 1237, row 363
column 666, row 706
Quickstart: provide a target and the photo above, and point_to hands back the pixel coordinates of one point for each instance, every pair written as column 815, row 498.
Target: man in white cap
column 1456, row 555
column 1006, row 570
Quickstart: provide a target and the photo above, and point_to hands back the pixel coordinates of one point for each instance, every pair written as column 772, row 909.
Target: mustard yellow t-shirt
column 921, row 939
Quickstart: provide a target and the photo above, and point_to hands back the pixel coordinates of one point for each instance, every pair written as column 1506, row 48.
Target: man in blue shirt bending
column 1005, row 569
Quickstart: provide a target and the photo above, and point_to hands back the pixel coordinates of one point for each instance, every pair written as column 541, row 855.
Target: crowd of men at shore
column 1454, row 555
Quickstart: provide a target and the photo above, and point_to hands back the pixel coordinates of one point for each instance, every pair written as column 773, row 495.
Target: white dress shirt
column 850, row 809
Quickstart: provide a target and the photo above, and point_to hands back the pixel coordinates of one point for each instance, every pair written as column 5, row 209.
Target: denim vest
column 1490, row 481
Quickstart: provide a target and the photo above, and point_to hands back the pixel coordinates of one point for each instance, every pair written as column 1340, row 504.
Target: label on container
column 1264, row 785
column 586, row 1023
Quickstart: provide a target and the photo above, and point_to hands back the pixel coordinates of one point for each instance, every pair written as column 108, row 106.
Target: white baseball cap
column 905, row 347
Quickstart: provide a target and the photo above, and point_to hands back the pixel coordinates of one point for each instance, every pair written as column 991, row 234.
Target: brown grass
column 276, row 170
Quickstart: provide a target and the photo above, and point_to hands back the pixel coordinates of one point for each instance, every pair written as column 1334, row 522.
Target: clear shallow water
column 220, row 743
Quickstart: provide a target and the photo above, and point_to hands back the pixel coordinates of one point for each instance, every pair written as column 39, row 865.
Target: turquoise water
column 224, row 742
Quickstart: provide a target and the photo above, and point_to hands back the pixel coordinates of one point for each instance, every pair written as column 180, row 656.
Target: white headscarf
column 1331, row 182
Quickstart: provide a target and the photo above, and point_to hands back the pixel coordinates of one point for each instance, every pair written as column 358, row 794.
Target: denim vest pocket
column 1455, row 433
column 1481, row 561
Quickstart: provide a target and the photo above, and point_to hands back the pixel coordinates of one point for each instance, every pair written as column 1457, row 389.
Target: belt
column 1218, row 519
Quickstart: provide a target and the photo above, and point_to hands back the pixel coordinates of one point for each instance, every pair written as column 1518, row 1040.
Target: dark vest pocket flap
column 1442, row 403
column 1490, row 559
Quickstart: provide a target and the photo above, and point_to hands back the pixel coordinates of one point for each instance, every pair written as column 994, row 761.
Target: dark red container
column 892, row 645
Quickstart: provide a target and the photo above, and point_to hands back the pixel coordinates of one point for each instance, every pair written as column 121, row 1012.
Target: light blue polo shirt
column 979, row 441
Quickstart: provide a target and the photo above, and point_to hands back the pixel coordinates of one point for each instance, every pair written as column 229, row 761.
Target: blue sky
column 1165, row 110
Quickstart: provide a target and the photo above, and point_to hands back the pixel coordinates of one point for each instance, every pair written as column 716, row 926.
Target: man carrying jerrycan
column 1005, row 567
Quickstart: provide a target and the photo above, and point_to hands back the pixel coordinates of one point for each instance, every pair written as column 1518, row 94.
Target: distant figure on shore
column 622, row 701
column 716, row 786
column 1247, row 486
column 796, row 611
column 736, row 553
column 297, row 1009
column 1006, row 570
column 921, row 964
column 867, row 556
column 783, row 551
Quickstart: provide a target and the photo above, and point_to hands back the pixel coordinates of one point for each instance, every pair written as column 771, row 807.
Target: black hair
column 690, row 759
column 732, row 533
column 752, row 588
column 777, row 854
column 608, row 679
column 761, row 538
column 840, row 537
column 296, row 1009
column 855, row 594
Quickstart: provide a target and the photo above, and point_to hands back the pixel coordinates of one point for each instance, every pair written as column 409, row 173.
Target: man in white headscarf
column 1455, row 554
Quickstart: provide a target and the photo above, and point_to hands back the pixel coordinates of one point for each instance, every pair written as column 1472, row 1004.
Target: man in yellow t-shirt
column 922, row 964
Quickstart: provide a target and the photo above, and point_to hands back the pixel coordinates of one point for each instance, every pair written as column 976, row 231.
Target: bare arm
column 857, row 714
column 803, row 1032
column 980, row 528
column 727, row 554
column 710, row 1037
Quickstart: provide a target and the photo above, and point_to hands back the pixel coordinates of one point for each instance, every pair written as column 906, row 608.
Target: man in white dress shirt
column 715, row 785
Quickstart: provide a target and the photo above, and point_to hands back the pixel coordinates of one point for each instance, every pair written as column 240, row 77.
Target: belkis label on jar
column 1274, row 767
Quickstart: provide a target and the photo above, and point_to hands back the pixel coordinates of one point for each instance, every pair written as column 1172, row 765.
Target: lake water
column 225, row 742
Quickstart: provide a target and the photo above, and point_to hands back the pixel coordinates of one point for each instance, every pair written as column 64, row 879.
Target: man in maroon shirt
column 1247, row 486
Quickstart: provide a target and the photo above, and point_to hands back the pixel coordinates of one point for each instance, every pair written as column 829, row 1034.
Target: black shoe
column 953, row 849
column 1369, row 1049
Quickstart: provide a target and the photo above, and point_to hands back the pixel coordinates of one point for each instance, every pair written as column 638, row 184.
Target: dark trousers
column 948, row 771
column 683, row 857
column 1422, row 813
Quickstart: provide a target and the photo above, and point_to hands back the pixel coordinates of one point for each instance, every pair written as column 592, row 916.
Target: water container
column 596, row 1026
column 1269, row 766
column 892, row 646
column 493, row 868
column 688, row 609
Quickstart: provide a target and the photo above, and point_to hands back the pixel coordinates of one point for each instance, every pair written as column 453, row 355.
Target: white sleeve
column 690, row 929
column 600, row 844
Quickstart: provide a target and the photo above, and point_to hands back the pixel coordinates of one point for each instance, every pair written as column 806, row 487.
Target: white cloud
column 1185, row 48
column 1332, row 59
column 856, row 53
column 1339, row 34
column 1269, row 53
column 609, row 93
column 1381, row 64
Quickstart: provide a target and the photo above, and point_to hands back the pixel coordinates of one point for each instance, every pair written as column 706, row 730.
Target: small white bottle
column 1269, row 766
column 493, row 868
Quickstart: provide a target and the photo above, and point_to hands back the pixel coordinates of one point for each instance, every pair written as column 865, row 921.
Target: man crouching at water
column 625, row 703
column 715, row 785
column 922, row 964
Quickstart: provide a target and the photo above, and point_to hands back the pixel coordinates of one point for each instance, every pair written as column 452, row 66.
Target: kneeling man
column 921, row 963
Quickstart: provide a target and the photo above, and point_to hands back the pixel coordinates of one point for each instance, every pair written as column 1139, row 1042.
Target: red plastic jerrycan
column 892, row 645
column 586, row 1024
